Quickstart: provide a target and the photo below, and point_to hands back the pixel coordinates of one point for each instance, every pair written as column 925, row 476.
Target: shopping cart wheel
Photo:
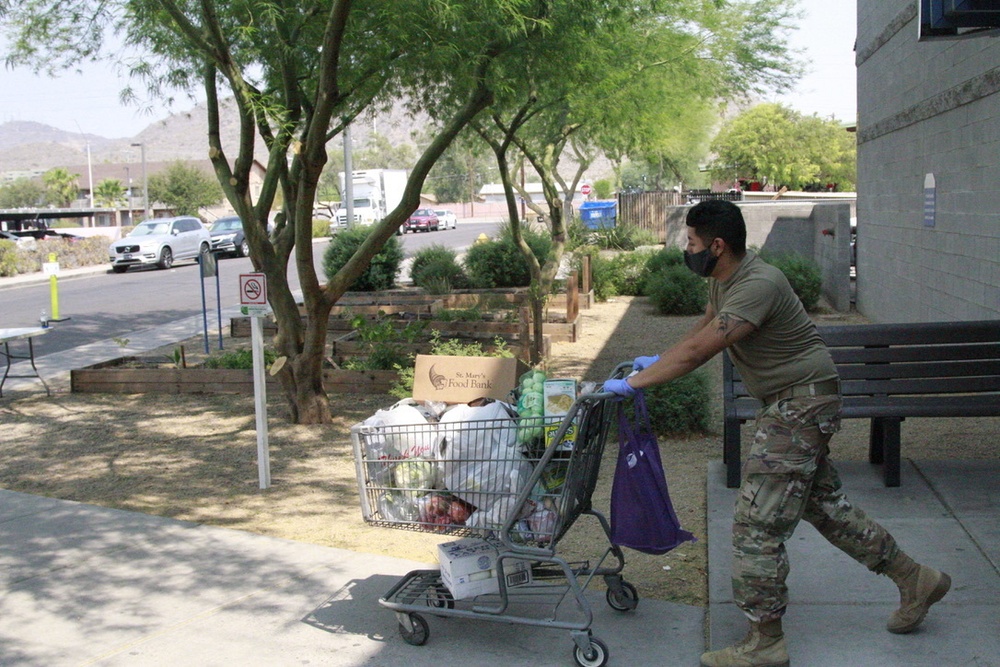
column 440, row 598
column 413, row 629
column 595, row 656
column 625, row 599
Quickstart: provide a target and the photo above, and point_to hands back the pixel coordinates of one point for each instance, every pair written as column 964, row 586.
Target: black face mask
column 702, row 263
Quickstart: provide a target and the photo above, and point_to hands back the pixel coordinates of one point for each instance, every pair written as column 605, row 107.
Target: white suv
column 447, row 218
column 160, row 241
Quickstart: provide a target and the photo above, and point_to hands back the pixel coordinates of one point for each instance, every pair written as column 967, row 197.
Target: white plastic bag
column 480, row 461
column 401, row 432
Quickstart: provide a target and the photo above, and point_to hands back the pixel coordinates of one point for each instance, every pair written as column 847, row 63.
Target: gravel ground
column 193, row 457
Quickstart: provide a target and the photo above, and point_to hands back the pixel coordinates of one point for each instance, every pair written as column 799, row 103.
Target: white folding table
column 25, row 333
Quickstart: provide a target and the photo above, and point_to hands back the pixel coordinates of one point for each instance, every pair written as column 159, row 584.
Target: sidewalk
column 85, row 585
column 946, row 514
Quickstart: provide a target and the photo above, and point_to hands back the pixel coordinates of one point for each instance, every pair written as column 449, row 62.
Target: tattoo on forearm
column 729, row 325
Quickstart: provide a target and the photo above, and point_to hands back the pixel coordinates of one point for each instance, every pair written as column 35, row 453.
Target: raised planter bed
column 347, row 347
column 556, row 331
column 122, row 376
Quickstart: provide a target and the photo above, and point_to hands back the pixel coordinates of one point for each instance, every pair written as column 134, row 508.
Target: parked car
column 448, row 219
column 40, row 234
column 22, row 241
column 160, row 242
column 228, row 238
column 423, row 219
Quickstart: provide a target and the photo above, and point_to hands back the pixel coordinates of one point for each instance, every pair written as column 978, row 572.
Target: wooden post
column 572, row 298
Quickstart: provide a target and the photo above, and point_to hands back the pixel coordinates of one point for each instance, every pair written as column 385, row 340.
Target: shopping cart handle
column 620, row 370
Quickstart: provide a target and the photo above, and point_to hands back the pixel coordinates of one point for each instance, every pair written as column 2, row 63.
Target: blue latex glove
column 644, row 362
column 620, row 387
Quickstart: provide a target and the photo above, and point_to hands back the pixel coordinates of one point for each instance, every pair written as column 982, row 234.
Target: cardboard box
column 559, row 397
column 463, row 379
column 469, row 568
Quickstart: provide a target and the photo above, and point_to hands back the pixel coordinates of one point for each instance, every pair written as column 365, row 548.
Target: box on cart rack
column 469, row 568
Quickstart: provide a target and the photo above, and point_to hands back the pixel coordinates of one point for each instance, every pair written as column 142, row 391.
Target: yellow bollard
column 54, row 288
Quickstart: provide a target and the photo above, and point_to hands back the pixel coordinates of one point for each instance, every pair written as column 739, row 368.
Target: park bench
column 889, row 372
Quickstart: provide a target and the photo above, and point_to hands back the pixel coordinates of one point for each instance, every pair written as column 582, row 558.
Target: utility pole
column 145, row 182
column 348, row 192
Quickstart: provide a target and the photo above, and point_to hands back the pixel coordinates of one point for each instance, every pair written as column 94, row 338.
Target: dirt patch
column 193, row 457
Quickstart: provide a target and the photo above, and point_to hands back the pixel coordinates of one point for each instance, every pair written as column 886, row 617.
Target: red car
column 422, row 220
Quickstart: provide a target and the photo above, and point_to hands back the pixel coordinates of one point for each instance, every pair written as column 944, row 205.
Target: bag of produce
column 530, row 406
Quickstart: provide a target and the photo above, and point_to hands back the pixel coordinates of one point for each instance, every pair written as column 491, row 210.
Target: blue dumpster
column 598, row 214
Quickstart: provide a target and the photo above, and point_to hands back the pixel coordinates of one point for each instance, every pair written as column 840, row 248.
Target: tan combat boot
column 919, row 588
column 764, row 646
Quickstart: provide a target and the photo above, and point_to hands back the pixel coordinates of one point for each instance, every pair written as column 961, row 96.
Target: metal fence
column 651, row 210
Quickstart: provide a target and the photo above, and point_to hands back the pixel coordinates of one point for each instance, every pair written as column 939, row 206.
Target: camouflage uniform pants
column 787, row 477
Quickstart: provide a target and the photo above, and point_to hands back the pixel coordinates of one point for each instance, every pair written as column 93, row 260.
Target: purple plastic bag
column 642, row 516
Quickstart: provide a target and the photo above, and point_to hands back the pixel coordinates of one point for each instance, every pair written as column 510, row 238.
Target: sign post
column 253, row 299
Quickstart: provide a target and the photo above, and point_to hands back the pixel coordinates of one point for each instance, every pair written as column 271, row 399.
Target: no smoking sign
column 253, row 289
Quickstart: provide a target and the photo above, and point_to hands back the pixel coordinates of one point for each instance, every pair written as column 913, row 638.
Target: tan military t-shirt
column 785, row 350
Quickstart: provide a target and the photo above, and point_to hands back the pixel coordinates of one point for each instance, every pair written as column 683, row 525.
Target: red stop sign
column 585, row 189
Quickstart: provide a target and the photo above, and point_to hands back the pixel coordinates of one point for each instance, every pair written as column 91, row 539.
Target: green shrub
column 576, row 235
column 436, row 269
column 459, row 315
column 629, row 272
column 89, row 251
column 681, row 406
column 664, row 258
column 8, row 258
column 384, row 343
column 320, row 228
column 601, row 272
column 238, row 359
column 381, row 272
column 619, row 237
column 499, row 263
column 603, row 188
column 802, row 274
column 675, row 290
column 645, row 237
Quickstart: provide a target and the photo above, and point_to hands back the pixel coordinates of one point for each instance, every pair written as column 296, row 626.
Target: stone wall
column 817, row 230
column 926, row 108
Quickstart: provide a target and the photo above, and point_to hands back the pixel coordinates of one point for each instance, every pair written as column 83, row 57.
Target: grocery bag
column 642, row 516
column 480, row 461
column 401, row 432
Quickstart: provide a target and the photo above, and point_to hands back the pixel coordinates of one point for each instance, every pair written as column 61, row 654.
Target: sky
column 88, row 101
column 826, row 32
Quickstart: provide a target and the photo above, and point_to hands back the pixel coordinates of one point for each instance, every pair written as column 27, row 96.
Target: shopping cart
column 518, row 484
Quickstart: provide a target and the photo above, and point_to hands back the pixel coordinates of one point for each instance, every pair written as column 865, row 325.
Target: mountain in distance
column 27, row 146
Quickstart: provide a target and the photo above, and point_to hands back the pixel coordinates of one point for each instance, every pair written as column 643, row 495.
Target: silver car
column 160, row 242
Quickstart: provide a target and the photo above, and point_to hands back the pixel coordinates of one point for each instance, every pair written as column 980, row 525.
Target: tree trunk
column 307, row 399
column 537, row 317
